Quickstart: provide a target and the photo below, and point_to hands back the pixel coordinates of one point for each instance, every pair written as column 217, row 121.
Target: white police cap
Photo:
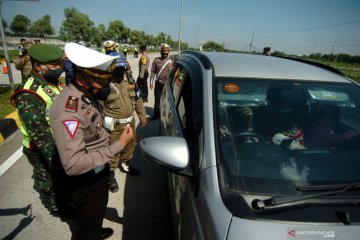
column 90, row 61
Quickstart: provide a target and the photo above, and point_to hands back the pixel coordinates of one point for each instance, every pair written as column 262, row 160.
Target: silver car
column 259, row 147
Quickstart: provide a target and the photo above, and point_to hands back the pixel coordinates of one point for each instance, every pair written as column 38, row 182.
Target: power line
column 291, row 45
column 310, row 28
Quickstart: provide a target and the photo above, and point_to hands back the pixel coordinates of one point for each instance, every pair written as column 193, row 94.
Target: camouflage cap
column 45, row 53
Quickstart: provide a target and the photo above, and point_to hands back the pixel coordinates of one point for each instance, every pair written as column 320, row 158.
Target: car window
column 276, row 135
column 251, row 94
column 181, row 94
column 184, row 106
column 178, row 82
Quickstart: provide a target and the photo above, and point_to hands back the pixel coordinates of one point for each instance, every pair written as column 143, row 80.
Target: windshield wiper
column 259, row 205
column 316, row 188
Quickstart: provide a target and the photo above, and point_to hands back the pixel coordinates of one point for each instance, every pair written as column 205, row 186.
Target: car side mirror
column 171, row 153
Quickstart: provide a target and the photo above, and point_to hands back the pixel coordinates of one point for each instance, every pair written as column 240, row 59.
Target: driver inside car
column 323, row 132
column 238, row 120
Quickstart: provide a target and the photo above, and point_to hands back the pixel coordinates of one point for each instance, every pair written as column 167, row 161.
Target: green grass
column 6, row 108
column 5, row 93
column 13, row 54
column 351, row 70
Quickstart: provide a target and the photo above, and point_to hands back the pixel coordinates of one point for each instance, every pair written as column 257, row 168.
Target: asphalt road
column 138, row 211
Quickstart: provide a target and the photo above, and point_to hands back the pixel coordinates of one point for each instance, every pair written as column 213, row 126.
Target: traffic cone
column 5, row 68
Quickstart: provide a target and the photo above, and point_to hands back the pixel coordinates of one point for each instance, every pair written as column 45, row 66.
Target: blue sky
column 291, row 26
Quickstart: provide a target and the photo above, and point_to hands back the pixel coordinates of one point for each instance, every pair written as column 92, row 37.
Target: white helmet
column 109, row 45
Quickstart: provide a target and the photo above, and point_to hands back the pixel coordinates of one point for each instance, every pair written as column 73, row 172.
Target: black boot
column 106, row 233
column 113, row 186
column 126, row 168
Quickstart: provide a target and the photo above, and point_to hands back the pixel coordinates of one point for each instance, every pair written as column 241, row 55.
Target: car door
column 181, row 188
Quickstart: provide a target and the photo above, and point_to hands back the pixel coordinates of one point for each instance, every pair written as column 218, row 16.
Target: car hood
column 260, row 230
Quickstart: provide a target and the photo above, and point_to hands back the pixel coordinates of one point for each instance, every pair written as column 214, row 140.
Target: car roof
column 261, row 66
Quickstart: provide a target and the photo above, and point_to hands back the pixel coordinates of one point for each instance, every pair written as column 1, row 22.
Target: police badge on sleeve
column 71, row 126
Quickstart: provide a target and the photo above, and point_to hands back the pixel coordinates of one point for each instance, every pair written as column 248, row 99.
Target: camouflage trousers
column 128, row 152
column 49, row 184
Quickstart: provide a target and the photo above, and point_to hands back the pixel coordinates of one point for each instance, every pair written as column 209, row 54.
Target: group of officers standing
column 76, row 136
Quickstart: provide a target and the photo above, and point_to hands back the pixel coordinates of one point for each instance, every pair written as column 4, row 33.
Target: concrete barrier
column 9, row 125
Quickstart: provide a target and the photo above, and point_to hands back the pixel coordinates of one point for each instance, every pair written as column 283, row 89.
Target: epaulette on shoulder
column 72, row 104
column 34, row 86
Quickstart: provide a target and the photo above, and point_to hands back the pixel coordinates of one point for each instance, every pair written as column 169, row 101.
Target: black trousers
column 89, row 192
column 157, row 93
column 143, row 86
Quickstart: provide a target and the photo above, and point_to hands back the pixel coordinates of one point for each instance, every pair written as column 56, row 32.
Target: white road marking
column 10, row 161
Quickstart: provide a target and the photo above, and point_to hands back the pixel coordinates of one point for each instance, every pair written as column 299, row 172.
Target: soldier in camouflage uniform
column 32, row 100
column 23, row 62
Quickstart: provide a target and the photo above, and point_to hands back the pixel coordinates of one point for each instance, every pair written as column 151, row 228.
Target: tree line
column 345, row 58
column 78, row 27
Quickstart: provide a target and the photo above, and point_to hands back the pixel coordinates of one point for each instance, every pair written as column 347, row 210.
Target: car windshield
column 274, row 136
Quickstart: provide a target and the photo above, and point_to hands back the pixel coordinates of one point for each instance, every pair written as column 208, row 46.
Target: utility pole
column 314, row 47
column 197, row 28
column 7, row 59
column 5, row 51
column 252, row 40
column 332, row 51
column 181, row 9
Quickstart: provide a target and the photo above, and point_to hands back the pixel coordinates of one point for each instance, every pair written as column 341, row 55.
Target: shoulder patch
column 71, row 126
column 143, row 60
column 49, row 92
column 72, row 103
